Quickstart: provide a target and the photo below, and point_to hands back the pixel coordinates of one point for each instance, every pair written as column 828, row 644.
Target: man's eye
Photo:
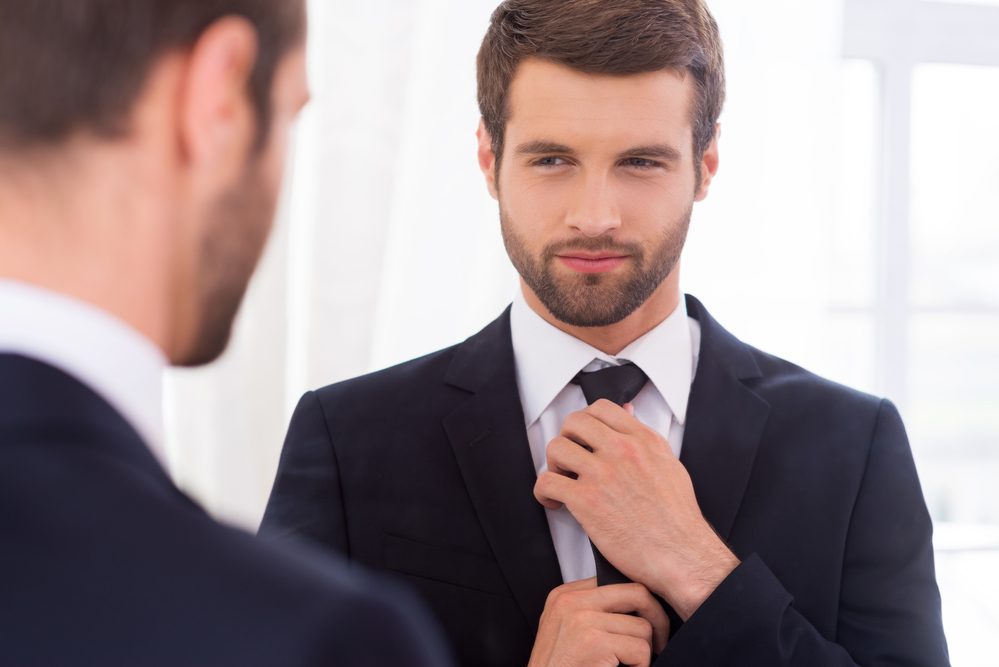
column 641, row 163
column 549, row 162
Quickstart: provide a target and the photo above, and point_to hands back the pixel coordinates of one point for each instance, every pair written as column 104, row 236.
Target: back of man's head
column 71, row 66
column 141, row 146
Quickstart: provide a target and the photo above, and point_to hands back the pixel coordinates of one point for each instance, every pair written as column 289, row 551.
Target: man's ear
column 487, row 158
column 708, row 166
column 218, row 124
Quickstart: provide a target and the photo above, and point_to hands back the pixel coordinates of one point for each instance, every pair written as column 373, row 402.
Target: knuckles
column 574, row 423
column 554, row 597
column 592, row 639
column 626, row 448
column 603, row 405
column 557, row 448
column 543, row 485
column 646, row 630
column 562, row 601
column 638, row 594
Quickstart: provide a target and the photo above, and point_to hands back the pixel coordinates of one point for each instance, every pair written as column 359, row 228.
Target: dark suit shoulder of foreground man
column 106, row 562
column 604, row 474
column 142, row 146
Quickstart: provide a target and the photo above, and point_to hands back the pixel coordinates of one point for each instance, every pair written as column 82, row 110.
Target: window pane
column 783, row 251
column 955, row 171
column 851, row 240
column 953, row 414
column 970, row 599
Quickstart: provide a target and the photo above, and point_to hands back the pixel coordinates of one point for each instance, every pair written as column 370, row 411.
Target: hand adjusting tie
column 620, row 385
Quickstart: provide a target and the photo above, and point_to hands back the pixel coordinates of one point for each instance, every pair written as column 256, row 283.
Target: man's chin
column 209, row 345
column 590, row 313
column 590, row 319
column 200, row 357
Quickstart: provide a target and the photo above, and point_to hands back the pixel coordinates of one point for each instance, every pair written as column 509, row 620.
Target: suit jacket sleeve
column 306, row 499
column 889, row 607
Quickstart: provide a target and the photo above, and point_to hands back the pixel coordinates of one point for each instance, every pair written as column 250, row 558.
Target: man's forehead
column 554, row 100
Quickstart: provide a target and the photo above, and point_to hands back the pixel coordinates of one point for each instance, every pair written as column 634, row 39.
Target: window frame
column 897, row 36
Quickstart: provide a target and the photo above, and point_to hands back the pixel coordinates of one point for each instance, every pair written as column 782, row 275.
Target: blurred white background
column 853, row 230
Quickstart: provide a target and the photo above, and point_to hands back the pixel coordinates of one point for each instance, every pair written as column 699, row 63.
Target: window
column 937, row 257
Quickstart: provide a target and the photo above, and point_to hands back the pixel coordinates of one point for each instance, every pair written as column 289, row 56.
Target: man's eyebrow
column 544, row 148
column 663, row 152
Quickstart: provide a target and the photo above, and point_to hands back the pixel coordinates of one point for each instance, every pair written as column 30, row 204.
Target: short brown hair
column 80, row 65
column 616, row 37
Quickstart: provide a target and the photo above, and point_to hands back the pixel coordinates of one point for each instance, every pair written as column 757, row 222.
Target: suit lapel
column 490, row 444
column 725, row 421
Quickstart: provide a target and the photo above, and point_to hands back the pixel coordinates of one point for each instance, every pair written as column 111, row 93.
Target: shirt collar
column 104, row 353
column 547, row 358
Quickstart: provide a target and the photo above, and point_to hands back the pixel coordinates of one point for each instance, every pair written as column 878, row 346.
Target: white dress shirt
column 99, row 350
column 547, row 359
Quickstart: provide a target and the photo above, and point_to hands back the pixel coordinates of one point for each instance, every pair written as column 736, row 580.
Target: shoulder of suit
column 784, row 382
column 413, row 375
column 779, row 382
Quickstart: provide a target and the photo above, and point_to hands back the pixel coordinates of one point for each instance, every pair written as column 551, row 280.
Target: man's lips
column 592, row 263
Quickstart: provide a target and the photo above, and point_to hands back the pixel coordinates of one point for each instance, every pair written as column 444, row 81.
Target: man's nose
column 594, row 210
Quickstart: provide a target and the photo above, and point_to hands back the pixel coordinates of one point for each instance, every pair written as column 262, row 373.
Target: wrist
column 702, row 583
column 705, row 570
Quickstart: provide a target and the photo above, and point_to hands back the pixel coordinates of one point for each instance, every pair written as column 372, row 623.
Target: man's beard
column 596, row 300
column 230, row 250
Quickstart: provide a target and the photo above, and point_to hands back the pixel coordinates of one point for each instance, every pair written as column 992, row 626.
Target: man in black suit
column 141, row 148
column 606, row 426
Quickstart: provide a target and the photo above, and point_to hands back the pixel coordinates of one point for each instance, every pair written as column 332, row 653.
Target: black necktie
column 619, row 384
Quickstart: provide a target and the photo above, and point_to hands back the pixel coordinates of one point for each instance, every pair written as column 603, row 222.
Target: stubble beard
column 596, row 300
column 229, row 253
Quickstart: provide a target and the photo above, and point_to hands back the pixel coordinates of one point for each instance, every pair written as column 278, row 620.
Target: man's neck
column 75, row 248
column 613, row 338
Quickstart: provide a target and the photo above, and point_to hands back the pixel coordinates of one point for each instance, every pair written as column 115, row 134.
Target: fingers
column 654, row 614
column 611, row 428
column 616, row 417
column 552, row 489
column 630, row 626
column 635, row 598
column 583, row 624
column 625, row 598
column 632, row 651
column 628, row 638
column 568, row 458
column 586, row 431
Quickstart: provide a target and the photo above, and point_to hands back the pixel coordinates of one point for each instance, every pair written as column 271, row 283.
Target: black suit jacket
column 103, row 561
column 425, row 470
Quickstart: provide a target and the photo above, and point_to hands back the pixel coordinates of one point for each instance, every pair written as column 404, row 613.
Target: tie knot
column 618, row 384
